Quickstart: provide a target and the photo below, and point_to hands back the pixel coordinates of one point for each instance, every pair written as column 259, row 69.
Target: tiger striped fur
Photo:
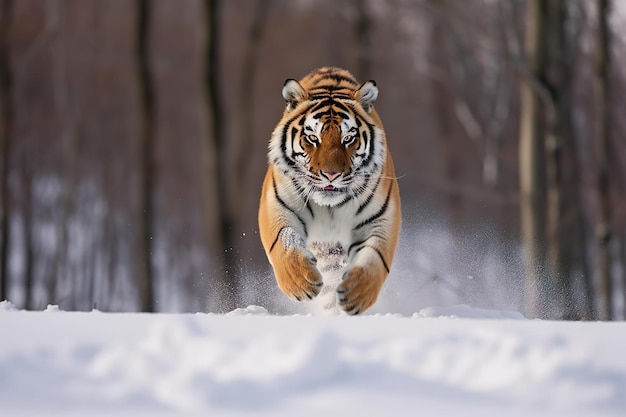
column 329, row 215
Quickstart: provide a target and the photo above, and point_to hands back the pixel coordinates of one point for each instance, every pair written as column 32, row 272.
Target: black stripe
column 362, row 242
column 330, row 103
column 330, row 94
column 283, row 142
column 359, row 243
column 330, row 88
column 339, row 78
column 282, row 203
column 341, row 106
column 379, row 213
column 369, row 197
column 321, row 105
column 372, row 142
column 382, row 258
column 322, row 114
column 276, row 239
column 362, row 246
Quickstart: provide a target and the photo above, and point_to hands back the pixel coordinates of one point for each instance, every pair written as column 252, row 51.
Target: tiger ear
column 293, row 92
column 367, row 94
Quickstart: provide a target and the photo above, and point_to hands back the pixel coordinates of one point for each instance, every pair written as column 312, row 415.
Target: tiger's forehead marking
column 331, row 93
column 329, row 108
column 330, row 79
column 314, row 124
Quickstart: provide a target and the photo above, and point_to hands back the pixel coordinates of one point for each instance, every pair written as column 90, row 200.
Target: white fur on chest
column 329, row 238
column 331, row 226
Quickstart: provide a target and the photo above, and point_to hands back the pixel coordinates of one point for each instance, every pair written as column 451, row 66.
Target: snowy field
column 456, row 361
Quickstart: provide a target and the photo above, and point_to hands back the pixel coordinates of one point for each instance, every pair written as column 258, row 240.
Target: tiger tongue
column 329, row 188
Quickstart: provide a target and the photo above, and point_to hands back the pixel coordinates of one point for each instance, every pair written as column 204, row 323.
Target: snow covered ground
column 439, row 362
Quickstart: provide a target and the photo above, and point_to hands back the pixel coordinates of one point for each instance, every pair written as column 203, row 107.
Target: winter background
column 132, row 150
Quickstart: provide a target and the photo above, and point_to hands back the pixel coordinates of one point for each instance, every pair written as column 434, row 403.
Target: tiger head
column 330, row 141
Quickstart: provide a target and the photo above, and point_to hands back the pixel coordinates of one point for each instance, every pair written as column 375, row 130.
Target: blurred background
column 133, row 141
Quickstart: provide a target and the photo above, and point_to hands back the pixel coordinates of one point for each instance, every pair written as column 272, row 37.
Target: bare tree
column 69, row 114
column 532, row 157
column 560, row 227
column 444, row 100
column 28, row 209
column 602, row 135
column 145, row 269
column 226, row 284
column 6, row 118
column 247, row 89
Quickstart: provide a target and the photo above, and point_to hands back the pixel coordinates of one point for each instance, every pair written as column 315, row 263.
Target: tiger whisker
column 385, row 177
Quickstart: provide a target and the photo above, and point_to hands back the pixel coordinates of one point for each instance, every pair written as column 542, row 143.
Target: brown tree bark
column 29, row 238
column 226, row 277
column 561, row 226
column 69, row 114
column 532, row 158
column 563, row 236
column 247, row 92
column 6, row 119
column 443, row 103
column 602, row 89
column 145, row 237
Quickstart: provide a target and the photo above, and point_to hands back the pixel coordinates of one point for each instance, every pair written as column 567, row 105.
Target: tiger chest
column 329, row 237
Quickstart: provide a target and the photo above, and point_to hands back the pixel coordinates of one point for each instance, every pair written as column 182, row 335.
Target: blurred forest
column 133, row 141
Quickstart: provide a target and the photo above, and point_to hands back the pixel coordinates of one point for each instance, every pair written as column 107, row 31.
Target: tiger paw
column 359, row 289
column 297, row 276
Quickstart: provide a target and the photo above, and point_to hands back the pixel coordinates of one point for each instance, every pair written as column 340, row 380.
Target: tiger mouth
column 331, row 188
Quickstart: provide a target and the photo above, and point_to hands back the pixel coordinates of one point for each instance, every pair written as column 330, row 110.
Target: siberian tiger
column 329, row 215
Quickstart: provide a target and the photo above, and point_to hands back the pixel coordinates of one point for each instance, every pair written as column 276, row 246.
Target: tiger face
column 327, row 143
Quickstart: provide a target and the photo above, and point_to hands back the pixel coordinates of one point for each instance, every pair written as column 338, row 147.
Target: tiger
column 329, row 215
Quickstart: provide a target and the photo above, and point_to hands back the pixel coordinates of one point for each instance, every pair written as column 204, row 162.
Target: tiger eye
column 313, row 140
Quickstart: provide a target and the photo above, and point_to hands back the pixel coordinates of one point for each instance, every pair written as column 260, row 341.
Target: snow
column 439, row 361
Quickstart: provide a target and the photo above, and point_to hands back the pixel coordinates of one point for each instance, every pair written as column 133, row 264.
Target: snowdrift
column 441, row 361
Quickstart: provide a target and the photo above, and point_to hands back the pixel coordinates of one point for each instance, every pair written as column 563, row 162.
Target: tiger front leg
column 295, row 266
column 363, row 280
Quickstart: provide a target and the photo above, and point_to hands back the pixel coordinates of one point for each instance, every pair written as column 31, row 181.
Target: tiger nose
column 331, row 175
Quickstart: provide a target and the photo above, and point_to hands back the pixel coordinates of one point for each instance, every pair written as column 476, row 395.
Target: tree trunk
column 145, row 268
column 69, row 115
column 246, row 93
column 226, row 280
column 443, row 104
column 602, row 155
column 6, row 120
column 532, row 159
column 362, row 32
column 560, row 236
column 29, row 239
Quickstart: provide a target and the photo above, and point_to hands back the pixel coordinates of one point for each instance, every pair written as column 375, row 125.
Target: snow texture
column 440, row 362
